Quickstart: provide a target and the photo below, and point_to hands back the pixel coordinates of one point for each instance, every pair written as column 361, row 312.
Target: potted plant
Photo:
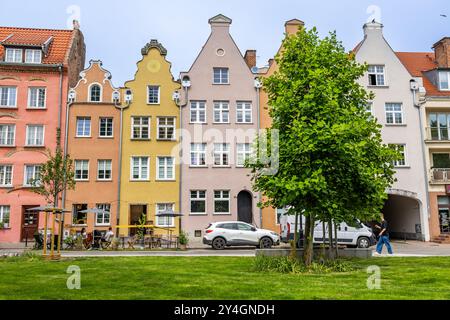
column 2, row 225
column 183, row 240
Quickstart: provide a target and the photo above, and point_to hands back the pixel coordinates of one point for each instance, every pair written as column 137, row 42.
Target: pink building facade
column 37, row 66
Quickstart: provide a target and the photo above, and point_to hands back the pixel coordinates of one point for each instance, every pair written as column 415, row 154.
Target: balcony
column 434, row 134
column 440, row 176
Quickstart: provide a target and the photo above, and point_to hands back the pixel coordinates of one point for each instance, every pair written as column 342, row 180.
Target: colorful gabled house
column 37, row 67
column 93, row 143
column 150, row 171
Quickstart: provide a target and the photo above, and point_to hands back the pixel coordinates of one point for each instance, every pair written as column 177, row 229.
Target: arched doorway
column 245, row 207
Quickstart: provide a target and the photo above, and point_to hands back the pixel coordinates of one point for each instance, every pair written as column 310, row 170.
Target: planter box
column 343, row 253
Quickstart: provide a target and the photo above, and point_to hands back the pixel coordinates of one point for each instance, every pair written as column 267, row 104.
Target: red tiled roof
column 419, row 62
column 59, row 46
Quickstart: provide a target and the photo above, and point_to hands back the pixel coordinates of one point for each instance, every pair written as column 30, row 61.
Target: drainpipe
column 424, row 163
column 180, row 182
column 258, row 103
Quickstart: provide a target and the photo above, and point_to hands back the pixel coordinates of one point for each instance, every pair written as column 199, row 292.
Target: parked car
column 355, row 235
column 220, row 235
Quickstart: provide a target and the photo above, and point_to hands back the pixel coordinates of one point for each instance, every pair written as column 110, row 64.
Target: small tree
column 56, row 175
column 333, row 165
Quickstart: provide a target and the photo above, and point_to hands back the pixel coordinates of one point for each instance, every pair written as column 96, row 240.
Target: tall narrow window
column 244, row 152
column 7, row 134
column 81, row 170
column 83, row 127
column 103, row 218
column 5, row 212
column 6, row 172
column 35, row 136
column 153, row 94
column 106, row 127
column 162, row 221
column 104, row 170
column 198, row 201
column 140, row 128
column 444, row 80
column 14, row 55
column 166, row 128
column 32, row 175
column 36, row 98
column 401, row 149
column 95, row 93
column 220, row 76
column 221, row 154
column 198, row 112
column 221, row 112
column 394, row 113
column 139, row 168
column 8, row 97
column 376, row 75
column 166, row 168
column 33, row 56
column 244, row 112
column 221, row 202
column 198, row 154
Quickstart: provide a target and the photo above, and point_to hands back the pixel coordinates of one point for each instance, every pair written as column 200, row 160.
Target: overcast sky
column 116, row 30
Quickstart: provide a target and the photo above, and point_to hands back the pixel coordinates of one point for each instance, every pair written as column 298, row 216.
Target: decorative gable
column 154, row 44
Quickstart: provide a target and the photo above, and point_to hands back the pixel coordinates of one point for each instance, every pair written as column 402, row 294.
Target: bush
column 295, row 266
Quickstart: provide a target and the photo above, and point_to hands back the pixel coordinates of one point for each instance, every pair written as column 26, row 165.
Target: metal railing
column 437, row 134
column 440, row 175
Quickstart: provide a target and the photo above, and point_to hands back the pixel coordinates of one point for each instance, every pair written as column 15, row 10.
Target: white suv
column 234, row 233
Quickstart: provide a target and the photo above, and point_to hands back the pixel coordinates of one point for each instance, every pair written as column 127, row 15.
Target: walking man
column 383, row 237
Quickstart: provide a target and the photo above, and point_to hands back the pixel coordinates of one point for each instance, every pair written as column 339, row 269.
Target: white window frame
column 102, row 167
column 197, row 108
column 34, row 174
column 148, row 94
column 35, row 128
column 8, row 130
column 221, row 112
column 83, row 163
column 243, row 109
column 441, row 75
column 36, row 55
column 14, row 55
column 197, row 198
column 221, row 150
column 394, row 113
column 243, row 153
column 221, row 75
column 3, row 213
column 171, row 220
column 90, row 92
column 83, row 135
column 404, row 152
column 37, row 106
column 166, row 127
column 222, row 198
column 3, row 168
column 106, row 127
column 198, row 149
column 105, row 207
column 377, row 74
column 8, row 99
column 140, row 166
column 140, row 126
column 166, row 168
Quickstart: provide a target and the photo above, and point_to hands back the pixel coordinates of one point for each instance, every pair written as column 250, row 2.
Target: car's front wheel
column 219, row 244
column 363, row 242
column 265, row 243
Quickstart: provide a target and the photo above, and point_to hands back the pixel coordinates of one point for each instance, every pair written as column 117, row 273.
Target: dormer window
column 95, row 93
column 13, row 55
column 33, row 56
column 444, row 80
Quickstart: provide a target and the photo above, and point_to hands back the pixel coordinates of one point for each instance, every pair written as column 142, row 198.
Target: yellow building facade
column 150, row 170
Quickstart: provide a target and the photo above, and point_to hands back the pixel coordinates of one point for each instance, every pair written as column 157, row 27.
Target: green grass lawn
column 218, row 278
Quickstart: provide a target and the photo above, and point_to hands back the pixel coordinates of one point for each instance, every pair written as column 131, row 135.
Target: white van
column 355, row 235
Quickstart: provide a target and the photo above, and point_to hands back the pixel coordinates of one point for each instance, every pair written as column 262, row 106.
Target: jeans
column 381, row 241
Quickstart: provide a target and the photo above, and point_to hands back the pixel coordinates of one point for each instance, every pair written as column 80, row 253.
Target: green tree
column 333, row 165
column 56, row 175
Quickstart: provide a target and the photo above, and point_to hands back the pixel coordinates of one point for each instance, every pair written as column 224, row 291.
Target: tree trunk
column 308, row 246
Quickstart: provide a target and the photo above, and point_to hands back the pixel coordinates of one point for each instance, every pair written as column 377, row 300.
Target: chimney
column 442, row 52
column 373, row 28
column 250, row 58
column 76, row 25
column 292, row 26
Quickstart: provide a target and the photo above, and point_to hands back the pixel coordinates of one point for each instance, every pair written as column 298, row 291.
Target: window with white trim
column 165, row 221
column 220, row 76
column 5, row 212
column 140, row 128
column 32, row 175
column 221, row 112
column 103, row 218
column 198, row 201
column 106, row 128
column 104, row 170
column 401, row 149
column 35, row 136
column 83, row 127
column 243, row 151
column 376, row 75
column 36, row 98
column 153, row 94
column 244, row 112
column 33, row 56
column 394, row 113
column 166, row 128
column 95, row 93
column 7, row 134
column 444, row 80
column 14, row 55
column 198, row 154
column 198, row 112
column 221, row 201
column 140, row 168
column 166, row 168
column 6, row 172
column 221, row 154
column 8, row 97
column 82, row 170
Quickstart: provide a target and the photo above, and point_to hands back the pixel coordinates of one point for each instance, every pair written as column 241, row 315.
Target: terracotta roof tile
column 59, row 46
